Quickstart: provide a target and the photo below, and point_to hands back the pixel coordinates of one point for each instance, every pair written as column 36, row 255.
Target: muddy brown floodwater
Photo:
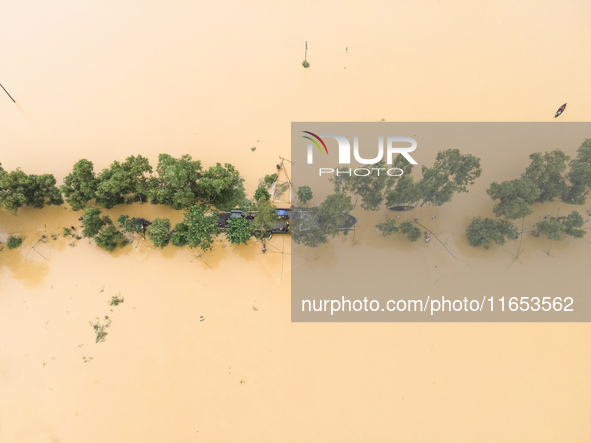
column 202, row 348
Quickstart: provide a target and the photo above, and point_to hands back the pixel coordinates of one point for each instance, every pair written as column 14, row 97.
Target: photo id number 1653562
column 534, row 304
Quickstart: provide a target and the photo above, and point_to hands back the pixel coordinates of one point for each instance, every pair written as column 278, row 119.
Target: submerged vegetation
column 481, row 232
column 305, row 194
column 14, row 241
column 18, row 189
column 116, row 301
column 554, row 227
column 100, row 329
column 451, row 173
column 160, row 232
column 183, row 184
column 549, row 176
column 314, row 225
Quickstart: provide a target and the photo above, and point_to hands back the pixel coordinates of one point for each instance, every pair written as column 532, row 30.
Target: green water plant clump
column 14, row 241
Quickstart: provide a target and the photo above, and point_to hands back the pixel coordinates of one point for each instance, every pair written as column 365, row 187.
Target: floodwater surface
column 202, row 348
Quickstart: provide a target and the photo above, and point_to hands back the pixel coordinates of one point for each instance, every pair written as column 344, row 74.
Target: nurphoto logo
column 344, row 149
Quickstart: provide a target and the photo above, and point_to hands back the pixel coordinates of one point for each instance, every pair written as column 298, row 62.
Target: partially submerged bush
column 14, row 241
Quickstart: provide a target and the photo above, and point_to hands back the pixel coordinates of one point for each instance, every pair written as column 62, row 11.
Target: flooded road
column 202, row 348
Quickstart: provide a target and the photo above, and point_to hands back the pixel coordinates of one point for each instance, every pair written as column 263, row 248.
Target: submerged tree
column 546, row 171
column 179, row 234
column 405, row 191
column 18, row 189
column 264, row 219
column 410, row 230
column 332, row 213
column 451, row 173
column 579, row 175
column 159, row 232
column 554, row 227
column 313, row 226
column 306, row 229
column 221, row 186
column 305, row 194
column 130, row 225
column 14, row 241
column 92, row 222
column 370, row 188
column 196, row 230
column 123, row 182
column 239, row 230
column 515, row 197
column 270, row 179
column 481, row 232
column 261, row 193
column 176, row 185
column 108, row 237
column 388, row 228
column 80, row 185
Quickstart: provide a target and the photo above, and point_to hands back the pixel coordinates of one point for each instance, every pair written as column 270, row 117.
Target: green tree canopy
column 264, row 219
column 123, row 182
column 159, row 232
column 14, row 241
column 515, row 197
column 18, row 189
column 270, row 179
column 222, row 186
column 176, row 185
column 405, row 191
column 451, row 173
column 80, row 185
column 331, row 213
column 261, row 193
column 410, row 230
column 305, row 194
column 196, row 230
column 306, row 229
column 131, row 225
column 579, row 175
column 388, row 228
column 547, row 172
column 481, row 232
column 573, row 223
column 371, row 188
column 239, row 230
column 179, row 235
column 108, row 236
column 554, row 227
column 92, row 222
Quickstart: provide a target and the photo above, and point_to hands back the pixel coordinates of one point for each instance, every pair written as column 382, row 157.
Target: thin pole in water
column 15, row 100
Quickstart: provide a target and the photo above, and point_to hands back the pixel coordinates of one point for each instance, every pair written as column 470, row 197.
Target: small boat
column 560, row 110
column 401, row 208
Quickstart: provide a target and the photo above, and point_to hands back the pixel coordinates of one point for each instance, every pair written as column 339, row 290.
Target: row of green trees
column 451, row 173
column 198, row 228
column 549, row 176
column 177, row 182
column 18, row 189
column 312, row 226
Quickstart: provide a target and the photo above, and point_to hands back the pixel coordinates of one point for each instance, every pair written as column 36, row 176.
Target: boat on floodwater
column 401, row 208
column 560, row 110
